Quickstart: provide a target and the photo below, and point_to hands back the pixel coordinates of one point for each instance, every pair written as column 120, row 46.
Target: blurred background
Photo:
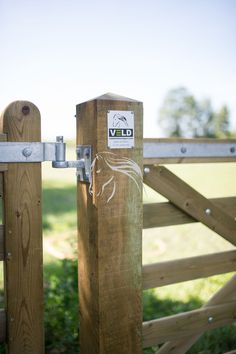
column 178, row 58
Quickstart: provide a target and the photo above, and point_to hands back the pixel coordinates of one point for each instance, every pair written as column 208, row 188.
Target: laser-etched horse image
column 117, row 165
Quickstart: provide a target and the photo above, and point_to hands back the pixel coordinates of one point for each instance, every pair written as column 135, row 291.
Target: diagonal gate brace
column 190, row 201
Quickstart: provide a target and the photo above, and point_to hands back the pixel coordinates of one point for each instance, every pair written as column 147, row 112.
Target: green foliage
column 61, row 307
column 182, row 115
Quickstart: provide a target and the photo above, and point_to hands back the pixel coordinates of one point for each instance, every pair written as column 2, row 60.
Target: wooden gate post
column 23, row 236
column 110, row 228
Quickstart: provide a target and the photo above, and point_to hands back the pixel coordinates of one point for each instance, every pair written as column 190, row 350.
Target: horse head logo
column 119, row 121
column 116, row 165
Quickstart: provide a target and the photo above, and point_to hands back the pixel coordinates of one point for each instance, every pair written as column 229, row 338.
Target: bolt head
column 146, row 170
column 27, row 152
column 208, row 211
column 210, row 319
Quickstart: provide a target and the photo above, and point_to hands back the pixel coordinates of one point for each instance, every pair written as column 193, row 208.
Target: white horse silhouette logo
column 119, row 121
column 116, row 164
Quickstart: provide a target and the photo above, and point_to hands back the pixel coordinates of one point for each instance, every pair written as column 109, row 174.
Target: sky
column 57, row 54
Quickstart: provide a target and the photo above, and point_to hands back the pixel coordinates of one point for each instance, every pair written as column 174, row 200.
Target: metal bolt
column 146, row 170
column 59, row 139
column 210, row 319
column 232, row 149
column 183, row 150
column 27, row 152
column 9, row 255
column 208, row 211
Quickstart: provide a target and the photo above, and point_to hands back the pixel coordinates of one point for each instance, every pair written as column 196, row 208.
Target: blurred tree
column 181, row 115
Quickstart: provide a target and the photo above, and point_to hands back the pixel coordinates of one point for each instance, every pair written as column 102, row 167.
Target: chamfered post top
column 112, row 97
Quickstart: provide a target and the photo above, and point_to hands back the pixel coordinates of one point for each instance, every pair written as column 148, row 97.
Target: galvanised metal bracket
column 26, row 152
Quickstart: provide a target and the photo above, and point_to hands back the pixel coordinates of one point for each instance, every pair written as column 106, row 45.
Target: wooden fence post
column 110, row 229
column 23, row 236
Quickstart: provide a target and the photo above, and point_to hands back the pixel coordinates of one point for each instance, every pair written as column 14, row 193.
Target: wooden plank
column 180, row 346
column 171, row 272
column 1, row 242
column 168, row 160
column 3, row 167
column 186, row 324
column 167, row 214
column 23, row 241
column 191, row 202
column 2, row 326
column 110, row 238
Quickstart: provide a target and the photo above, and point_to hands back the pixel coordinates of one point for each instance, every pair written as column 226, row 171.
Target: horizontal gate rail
column 167, row 214
column 186, row 324
column 188, row 150
column 2, row 326
column 176, row 271
column 181, row 345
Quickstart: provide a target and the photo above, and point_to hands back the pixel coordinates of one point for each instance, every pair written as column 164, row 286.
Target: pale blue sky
column 60, row 53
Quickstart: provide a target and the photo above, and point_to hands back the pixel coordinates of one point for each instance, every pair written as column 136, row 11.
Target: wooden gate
column 110, row 221
column 186, row 205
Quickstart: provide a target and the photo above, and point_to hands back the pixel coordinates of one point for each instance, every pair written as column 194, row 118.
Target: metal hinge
column 19, row 152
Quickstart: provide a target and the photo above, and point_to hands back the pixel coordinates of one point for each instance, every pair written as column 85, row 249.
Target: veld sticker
column 120, row 129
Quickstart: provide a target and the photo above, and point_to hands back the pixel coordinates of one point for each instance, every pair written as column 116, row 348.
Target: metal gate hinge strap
column 26, row 152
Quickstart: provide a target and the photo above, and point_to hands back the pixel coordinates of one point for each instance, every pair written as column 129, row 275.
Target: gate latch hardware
column 18, row 152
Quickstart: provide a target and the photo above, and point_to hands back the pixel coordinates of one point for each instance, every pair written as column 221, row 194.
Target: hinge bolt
column 27, row 152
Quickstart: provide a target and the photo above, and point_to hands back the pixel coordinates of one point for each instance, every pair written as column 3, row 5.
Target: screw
column 146, row 170
column 208, row 211
column 59, row 139
column 27, row 152
column 183, row 150
column 210, row 319
column 9, row 256
column 25, row 110
column 232, row 149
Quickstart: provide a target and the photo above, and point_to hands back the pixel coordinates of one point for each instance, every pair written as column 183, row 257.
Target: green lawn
column 60, row 249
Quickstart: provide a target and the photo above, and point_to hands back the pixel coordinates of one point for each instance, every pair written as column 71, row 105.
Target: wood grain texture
column 2, row 326
column 23, row 242
column 180, row 346
column 171, row 272
column 167, row 214
column 191, row 202
column 153, row 161
column 187, row 324
column 2, row 243
column 110, row 241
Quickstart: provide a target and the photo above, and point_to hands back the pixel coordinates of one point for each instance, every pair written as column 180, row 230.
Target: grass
column 60, row 266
